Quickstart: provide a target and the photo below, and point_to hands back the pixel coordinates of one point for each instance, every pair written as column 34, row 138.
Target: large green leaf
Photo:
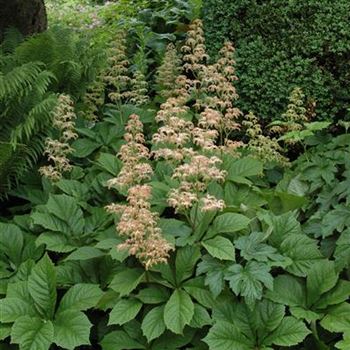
column 303, row 251
column 230, row 222
column 124, row 311
column 178, row 311
column 201, row 317
column 186, row 259
column 126, row 281
column 80, row 297
column 119, row 340
column 13, row 308
column 321, row 278
column 85, row 253
column 249, row 281
column 220, row 248
column 11, row 242
column 153, row 323
column 337, row 295
column 32, row 333
column 290, row 332
column 72, row 328
column 42, row 287
column 268, row 315
column 153, row 295
column 245, row 167
column 55, row 242
column 337, row 318
column 225, row 336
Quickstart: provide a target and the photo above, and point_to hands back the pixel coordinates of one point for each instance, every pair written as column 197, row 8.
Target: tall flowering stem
column 137, row 222
column 59, row 149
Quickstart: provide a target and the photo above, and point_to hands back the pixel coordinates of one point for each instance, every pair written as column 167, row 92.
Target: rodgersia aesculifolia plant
column 58, row 150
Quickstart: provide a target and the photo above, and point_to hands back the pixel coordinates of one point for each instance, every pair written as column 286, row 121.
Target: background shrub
column 282, row 44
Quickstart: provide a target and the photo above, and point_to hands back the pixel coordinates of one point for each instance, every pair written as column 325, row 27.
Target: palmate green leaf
column 321, row 278
column 85, row 253
column 304, row 253
column 201, row 317
column 80, row 297
column 55, row 242
column 13, row 308
column 153, row 324
column 267, row 316
column 153, row 295
column 226, row 336
column 290, row 332
column 42, row 287
column 249, row 281
column 127, row 280
column 178, row 311
column 186, row 259
column 71, row 329
column 198, row 291
column 11, row 242
column 230, row 222
column 120, row 340
column 288, row 290
column 124, row 311
column 337, row 295
column 220, row 248
column 337, row 318
column 32, row 333
column 215, row 274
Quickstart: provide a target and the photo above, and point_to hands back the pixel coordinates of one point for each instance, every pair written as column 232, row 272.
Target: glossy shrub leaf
column 178, row 311
column 32, row 333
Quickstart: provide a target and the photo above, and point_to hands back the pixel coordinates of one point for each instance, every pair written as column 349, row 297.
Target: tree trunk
column 28, row 16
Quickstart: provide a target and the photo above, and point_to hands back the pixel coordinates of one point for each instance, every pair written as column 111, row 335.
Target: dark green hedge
column 282, row 44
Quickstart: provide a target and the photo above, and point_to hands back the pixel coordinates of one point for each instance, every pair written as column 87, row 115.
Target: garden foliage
column 166, row 218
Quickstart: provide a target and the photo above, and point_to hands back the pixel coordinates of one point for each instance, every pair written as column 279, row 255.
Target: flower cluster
column 59, row 149
column 137, row 222
column 139, row 89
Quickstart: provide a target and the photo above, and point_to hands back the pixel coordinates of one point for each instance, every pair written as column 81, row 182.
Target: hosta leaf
column 178, row 311
column 225, row 336
column 126, row 281
column 153, row 323
column 42, row 287
column 290, row 332
column 124, row 311
column 321, row 278
column 153, row 295
column 249, row 281
column 72, row 328
column 230, row 222
column 186, row 259
column 337, row 318
column 80, row 297
column 220, row 247
column 303, row 251
column 119, row 340
column 32, row 333
column 13, row 308
column 85, row 253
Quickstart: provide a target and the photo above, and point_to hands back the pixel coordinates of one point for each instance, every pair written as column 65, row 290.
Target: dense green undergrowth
column 163, row 217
